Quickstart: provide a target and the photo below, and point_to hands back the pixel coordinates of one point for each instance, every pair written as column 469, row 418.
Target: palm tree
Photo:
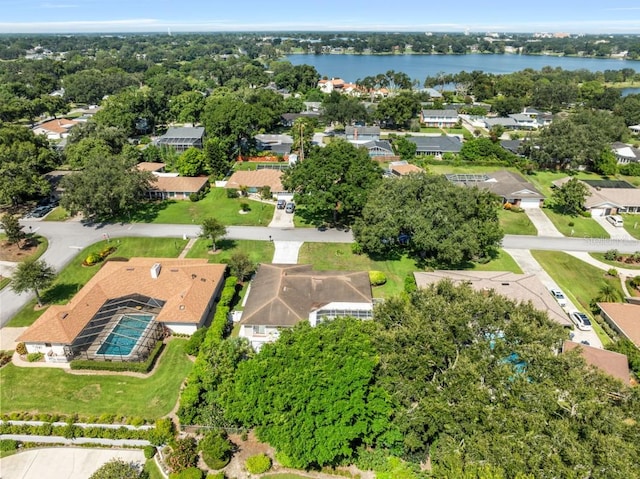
column 32, row 276
column 608, row 293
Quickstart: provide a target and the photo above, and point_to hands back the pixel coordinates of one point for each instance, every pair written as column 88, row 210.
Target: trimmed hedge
column 377, row 278
column 258, row 464
column 71, row 431
column 143, row 367
column 7, row 445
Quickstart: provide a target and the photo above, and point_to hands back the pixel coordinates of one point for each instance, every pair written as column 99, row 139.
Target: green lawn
column 516, row 223
column 580, row 281
column 258, row 251
column 632, row 224
column 54, row 391
column 58, row 214
column 74, row 276
column 339, row 257
column 151, row 468
column 467, row 168
column 4, row 282
column 615, row 264
column 215, row 204
column 582, row 227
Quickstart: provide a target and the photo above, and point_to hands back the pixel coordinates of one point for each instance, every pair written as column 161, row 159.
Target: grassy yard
column 74, row 276
column 339, row 257
column 96, row 394
column 615, row 264
column 582, row 227
column 469, row 169
column 516, row 223
column 632, row 224
column 258, row 251
column 57, row 214
column 580, row 281
column 215, row 204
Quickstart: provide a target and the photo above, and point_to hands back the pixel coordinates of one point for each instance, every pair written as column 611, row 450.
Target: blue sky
column 573, row 16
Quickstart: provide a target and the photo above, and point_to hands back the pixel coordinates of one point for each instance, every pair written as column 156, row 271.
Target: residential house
column 404, row 168
column 512, row 146
column 176, row 187
column 55, row 129
column 327, row 86
column 182, row 138
column 609, row 362
column 287, row 119
column 439, row 118
column 362, row 133
column 515, row 121
column 541, row 117
column 625, row 154
column 635, row 129
column 624, row 318
column 608, row 197
column 143, row 294
column 253, row 180
column 282, row 295
column 54, row 178
column 522, row 288
column 151, row 167
column 378, row 149
column 436, row 145
column 278, row 144
column 509, row 186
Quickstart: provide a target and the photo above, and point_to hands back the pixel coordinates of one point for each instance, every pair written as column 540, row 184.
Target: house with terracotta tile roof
column 282, row 295
column 123, row 310
column 624, row 318
column 403, row 168
column 151, row 166
column 327, row 86
column 522, row 288
column 55, row 129
column 256, row 179
column 609, row 362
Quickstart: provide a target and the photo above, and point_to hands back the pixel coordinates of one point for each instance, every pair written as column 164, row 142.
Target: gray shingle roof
column 433, row 144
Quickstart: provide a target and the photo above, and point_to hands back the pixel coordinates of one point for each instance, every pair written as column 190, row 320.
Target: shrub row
column 102, row 419
column 220, row 322
column 142, row 367
column 8, row 445
column 70, row 431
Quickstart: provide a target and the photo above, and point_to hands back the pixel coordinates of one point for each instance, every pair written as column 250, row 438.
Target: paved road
column 67, row 238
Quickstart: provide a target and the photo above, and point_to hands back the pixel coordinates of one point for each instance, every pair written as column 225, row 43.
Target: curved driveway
column 67, row 238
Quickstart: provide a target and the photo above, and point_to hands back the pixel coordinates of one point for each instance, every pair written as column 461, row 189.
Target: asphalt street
column 67, row 238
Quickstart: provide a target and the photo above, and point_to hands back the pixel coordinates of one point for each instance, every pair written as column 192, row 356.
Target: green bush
column 138, row 367
column 216, row 475
column 410, row 283
column 8, row 445
column 194, row 197
column 189, row 473
column 216, row 449
column 635, row 282
column 193, row 345
column 258, row 464
column 245, row 206
column 5, row 358
column 611, row 255
column 183, row 455
column 585, row 213
column 232, row 193
column 149, row 452
column 163, row 433
column 92, row 259
column 612, row 272
column 356, row 248
column 21, row 348
column 377, row 278
column 34, row 357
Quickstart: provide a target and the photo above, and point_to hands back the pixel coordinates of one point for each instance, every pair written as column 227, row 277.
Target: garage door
column 597, row 212
column 529, row 203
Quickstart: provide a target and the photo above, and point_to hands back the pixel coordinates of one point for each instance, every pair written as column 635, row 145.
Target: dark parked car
column 281, row 204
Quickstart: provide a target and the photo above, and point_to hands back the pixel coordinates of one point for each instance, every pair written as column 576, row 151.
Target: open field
column 339, row 257
column 580, row 281
column 54, row 391
column 74, row 276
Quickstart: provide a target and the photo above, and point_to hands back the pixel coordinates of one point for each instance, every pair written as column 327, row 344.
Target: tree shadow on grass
column 224, row 244
column 60, row 293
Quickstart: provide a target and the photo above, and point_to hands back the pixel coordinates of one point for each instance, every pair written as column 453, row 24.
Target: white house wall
column 182, row 328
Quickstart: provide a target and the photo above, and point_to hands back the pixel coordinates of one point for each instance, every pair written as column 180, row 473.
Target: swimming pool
column 125, row 335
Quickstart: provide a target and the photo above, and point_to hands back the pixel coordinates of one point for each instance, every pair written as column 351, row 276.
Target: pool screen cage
column 97, row 331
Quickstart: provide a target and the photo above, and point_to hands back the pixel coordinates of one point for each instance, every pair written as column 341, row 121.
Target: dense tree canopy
column 431, row 219
column 571, row 196
column 311, row 394
column 332, row 183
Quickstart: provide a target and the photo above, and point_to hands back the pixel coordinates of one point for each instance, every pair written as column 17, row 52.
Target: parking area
column 62, row 462
column 281, row 219
column 615, row 232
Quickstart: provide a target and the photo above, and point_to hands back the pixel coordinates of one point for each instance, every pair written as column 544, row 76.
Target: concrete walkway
column 187, row 248
column 8, row 338
column 587, row 258
column 286, row 252
column 6, row 268
column 528, row 264
column 62, row 462
column 542, row 223
column 615, row 232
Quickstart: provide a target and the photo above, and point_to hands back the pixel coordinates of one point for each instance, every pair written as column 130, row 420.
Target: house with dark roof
column 522, row 288
column 287, row 119
column 182, row 138
column 378, row 149
column 609, row 362
column 512, row 146
column 278, row 144
column 509, row 186
column 362, row 133
column 436, row 145
column 282, row 295
column 129, row 300
column 439, row 118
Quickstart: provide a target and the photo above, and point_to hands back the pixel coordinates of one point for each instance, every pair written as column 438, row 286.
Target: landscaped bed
column 54, row 391
column 621, row 262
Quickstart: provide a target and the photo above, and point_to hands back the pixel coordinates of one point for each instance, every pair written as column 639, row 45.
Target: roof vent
column 194, row 276
column 155, row 270
column 505, row 284
column 64, row 315
column 204, row 280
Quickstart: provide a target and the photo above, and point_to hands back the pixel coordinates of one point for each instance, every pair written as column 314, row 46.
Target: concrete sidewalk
column 286, row 252
column 614, row 232
column 587, row 258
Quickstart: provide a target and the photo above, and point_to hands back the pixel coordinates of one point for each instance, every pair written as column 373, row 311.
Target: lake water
column 630, row 91
column 418, row 67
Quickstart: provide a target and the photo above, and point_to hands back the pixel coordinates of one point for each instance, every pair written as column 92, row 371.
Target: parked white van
column 615, row 220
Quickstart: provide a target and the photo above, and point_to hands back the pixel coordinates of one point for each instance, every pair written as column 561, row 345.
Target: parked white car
column 581, row 320
column 559, row 297
column 615, row 220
